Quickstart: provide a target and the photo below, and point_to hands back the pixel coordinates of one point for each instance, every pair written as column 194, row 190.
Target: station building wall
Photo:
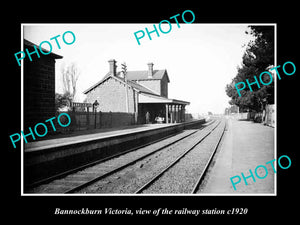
column 39, row 90
column 111, row 96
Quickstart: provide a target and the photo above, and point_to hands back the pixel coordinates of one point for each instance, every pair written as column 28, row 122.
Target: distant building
column 142, row 92
column 39, row 86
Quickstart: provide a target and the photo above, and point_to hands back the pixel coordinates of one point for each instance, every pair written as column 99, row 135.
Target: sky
column 200, row 58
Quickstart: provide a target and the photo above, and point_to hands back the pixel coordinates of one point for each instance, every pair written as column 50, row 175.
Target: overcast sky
column 200, row 58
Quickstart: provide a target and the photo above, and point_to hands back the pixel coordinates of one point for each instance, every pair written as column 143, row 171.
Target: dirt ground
column 245, row 146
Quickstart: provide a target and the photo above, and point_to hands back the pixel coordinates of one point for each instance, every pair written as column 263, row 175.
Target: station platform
column 88, row 135
column 245, row 146
column 47, row 158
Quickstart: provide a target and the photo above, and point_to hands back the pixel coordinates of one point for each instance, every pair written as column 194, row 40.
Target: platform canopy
column 172, row 110
column 147, row 98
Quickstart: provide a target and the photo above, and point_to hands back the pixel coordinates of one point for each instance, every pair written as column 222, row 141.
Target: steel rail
column 74, row 170
column 153, row 179
column 81, row 186
column 201, row 177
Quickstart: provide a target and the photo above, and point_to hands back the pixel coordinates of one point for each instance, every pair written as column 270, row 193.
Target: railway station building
column 143, row 93
column 39, row 86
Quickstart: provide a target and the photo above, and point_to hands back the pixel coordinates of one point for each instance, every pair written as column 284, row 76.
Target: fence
column 267, row 116
column 270, row 115
column 244, row 116
column 95, row 120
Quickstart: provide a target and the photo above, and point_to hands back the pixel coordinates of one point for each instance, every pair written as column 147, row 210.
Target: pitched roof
column 131, row 83
column 141, row 88
column 30, row 44
column 154, row 97
column 146, row 98
column 98, row 83
column 143, row 75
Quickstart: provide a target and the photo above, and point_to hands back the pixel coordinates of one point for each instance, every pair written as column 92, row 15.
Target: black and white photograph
column 174, row 115
column 143, row 119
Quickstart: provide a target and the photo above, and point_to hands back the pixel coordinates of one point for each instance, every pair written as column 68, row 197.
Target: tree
column 70, row 75
column 258, row 56
column 62, row 100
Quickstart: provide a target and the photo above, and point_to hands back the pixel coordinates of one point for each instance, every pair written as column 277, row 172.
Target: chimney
column 150, row 70
column 112, row 67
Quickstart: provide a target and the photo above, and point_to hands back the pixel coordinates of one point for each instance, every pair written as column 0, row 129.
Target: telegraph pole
column 124, row 71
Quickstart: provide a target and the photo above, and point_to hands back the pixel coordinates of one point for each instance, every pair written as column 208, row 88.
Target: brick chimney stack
column 150, row 70
column 112, row 67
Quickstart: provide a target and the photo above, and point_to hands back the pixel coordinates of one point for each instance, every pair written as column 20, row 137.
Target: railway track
column 190, row 176
column 105, row 172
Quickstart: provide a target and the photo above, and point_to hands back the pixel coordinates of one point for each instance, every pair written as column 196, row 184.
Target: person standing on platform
column 147, row 117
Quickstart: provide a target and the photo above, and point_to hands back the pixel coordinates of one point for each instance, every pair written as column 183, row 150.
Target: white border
column 275, row 127
column 22, row 112
column 187, row 195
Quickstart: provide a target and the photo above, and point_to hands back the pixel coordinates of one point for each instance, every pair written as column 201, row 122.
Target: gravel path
column 246, row 145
